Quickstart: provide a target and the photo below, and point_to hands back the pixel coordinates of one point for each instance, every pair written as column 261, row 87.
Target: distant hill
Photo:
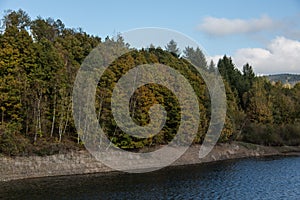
column 291, row 79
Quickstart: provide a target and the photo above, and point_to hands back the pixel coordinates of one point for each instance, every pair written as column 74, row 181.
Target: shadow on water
column 273, row 178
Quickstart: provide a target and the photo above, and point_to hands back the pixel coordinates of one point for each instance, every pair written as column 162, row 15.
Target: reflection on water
column 263, row 178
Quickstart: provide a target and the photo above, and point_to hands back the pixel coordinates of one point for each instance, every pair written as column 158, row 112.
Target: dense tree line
column 287, row 79
column 38, row 63
column 270, row 110
column 39, row 60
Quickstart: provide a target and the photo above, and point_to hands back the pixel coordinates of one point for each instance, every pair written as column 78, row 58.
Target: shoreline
column 81, row 162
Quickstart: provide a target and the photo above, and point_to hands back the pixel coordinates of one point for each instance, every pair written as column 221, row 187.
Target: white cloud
column 281, row 55
column 223, row 26
column 214, row 58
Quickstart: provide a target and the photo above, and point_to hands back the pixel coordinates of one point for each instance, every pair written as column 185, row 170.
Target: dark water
column 264, row 178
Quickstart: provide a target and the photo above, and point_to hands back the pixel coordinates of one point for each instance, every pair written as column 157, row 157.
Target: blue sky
column 265, row 33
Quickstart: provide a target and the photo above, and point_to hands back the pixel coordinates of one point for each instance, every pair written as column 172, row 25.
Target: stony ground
column 81, row 162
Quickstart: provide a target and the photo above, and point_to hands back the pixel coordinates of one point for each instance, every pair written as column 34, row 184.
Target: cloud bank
column 281, row 55
column 223, row 26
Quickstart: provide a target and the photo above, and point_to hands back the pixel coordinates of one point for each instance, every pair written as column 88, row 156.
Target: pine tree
column 196, row 57
column 172, row 48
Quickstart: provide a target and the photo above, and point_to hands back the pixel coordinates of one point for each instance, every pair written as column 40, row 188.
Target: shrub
column 11, row 142
column 263, row 134
column 290, row 133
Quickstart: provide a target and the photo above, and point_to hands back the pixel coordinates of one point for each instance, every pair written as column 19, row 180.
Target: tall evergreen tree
column 246, row 83
column 172, row 48
column 196, row 57
column 211, row 66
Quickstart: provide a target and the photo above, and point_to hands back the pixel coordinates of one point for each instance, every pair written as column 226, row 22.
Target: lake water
column 262, row 178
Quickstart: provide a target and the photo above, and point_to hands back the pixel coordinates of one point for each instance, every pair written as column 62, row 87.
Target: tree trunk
column 53, row 117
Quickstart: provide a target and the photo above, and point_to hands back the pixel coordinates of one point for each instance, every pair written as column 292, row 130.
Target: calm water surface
column 263, row 178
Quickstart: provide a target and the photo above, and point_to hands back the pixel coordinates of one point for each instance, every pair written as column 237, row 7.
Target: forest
column 39, row 60
column 289, row 79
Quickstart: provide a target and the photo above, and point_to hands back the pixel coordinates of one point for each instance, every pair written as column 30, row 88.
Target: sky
column 263, row 33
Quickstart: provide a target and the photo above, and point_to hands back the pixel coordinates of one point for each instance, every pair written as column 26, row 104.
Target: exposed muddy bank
column 81, row 162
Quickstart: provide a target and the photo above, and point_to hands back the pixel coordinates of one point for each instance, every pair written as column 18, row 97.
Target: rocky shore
column 81, row 162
